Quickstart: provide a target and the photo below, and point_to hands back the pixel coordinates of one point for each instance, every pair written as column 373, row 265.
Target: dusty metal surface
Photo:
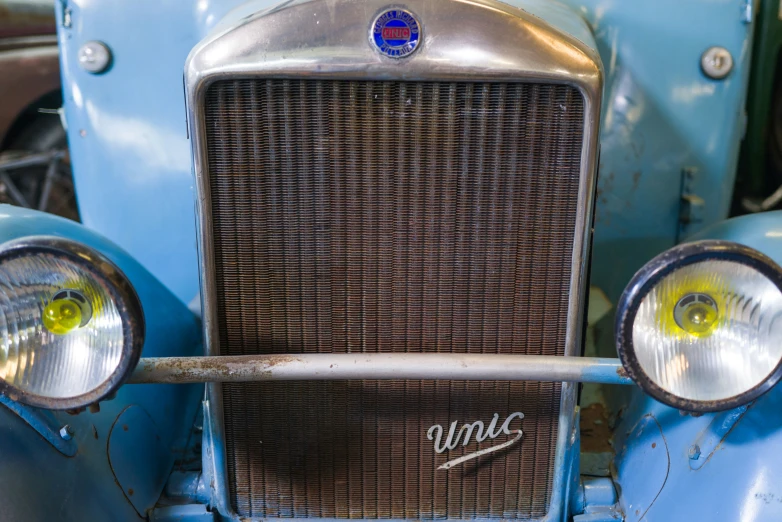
column 596, row 431
column 289, row 367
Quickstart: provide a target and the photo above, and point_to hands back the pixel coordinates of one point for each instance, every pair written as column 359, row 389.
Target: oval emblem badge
column 396, row 33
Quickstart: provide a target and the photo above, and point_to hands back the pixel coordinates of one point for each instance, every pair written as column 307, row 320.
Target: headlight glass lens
column 710, row 330
column 62, row 334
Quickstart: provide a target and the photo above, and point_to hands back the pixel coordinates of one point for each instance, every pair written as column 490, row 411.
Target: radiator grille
column 390, row 217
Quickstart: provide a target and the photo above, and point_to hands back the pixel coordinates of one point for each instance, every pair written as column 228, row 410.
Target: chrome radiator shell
column 327, row 40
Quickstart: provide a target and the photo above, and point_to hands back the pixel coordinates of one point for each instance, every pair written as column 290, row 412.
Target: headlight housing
column 71, row 324
column 700, row 326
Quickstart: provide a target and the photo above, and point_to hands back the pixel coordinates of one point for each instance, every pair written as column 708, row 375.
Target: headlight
column 700, row 326
column 71, row 325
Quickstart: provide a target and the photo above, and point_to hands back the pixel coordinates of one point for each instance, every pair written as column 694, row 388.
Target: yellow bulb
column 690, row 306
column 699, row 319
column 62, row 316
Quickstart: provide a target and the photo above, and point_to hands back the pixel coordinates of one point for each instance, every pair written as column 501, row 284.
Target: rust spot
column 130, row 491
column 636, row 179
column 621, row 372
column 184, row 369
column 654, row 445
column 124, row 427
column 275, row 360
column 637, row 512
column 595, row 431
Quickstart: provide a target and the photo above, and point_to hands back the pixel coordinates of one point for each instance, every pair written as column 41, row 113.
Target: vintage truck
column 411, row 260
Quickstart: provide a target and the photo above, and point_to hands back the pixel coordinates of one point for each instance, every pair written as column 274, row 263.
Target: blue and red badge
column 396, row 33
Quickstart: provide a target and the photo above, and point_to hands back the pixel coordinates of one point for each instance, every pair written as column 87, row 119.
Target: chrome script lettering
column 435, row 433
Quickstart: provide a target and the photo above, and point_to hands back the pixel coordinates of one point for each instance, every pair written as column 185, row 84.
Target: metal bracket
column 596, row 501
column 185, row 513
column 45, row 425
column 711, row 438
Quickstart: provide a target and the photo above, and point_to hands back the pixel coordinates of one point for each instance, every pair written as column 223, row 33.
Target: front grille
column 353, row 216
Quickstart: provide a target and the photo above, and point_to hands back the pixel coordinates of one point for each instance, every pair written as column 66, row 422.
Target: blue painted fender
column 721, row 467
column 763, row 232
column 125, row 452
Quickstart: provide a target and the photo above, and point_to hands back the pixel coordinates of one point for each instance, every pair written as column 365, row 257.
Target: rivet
column 716, row 63
column 94, row 57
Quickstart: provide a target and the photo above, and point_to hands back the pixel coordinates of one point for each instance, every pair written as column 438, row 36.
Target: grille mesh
column 390, row 217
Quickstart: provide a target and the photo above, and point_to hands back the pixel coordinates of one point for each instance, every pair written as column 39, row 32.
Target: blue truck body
column 669, row 134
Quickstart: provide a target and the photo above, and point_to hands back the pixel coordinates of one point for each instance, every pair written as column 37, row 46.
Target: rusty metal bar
column 301, row 367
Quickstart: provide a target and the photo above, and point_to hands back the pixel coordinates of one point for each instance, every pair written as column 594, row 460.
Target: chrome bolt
column 94, row 57
column 695, row 452
column 66, row 432
column 717, row 63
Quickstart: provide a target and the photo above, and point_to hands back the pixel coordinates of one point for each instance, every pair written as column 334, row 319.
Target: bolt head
column 717, row 63
column 94, row 57
column 66, row 432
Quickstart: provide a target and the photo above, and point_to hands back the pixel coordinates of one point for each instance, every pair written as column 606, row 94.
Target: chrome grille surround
column 498, row 44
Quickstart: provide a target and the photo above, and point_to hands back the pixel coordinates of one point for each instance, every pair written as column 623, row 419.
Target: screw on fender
column 716, row 63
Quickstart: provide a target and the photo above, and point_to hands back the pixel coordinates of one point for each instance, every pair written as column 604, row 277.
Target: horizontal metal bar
column 303, row 367
column 30, row 160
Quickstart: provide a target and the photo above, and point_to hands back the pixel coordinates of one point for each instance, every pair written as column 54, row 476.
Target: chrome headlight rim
column 118, row 287
column 653, row 273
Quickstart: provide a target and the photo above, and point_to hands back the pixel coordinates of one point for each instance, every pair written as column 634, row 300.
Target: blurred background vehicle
column 34, row 163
